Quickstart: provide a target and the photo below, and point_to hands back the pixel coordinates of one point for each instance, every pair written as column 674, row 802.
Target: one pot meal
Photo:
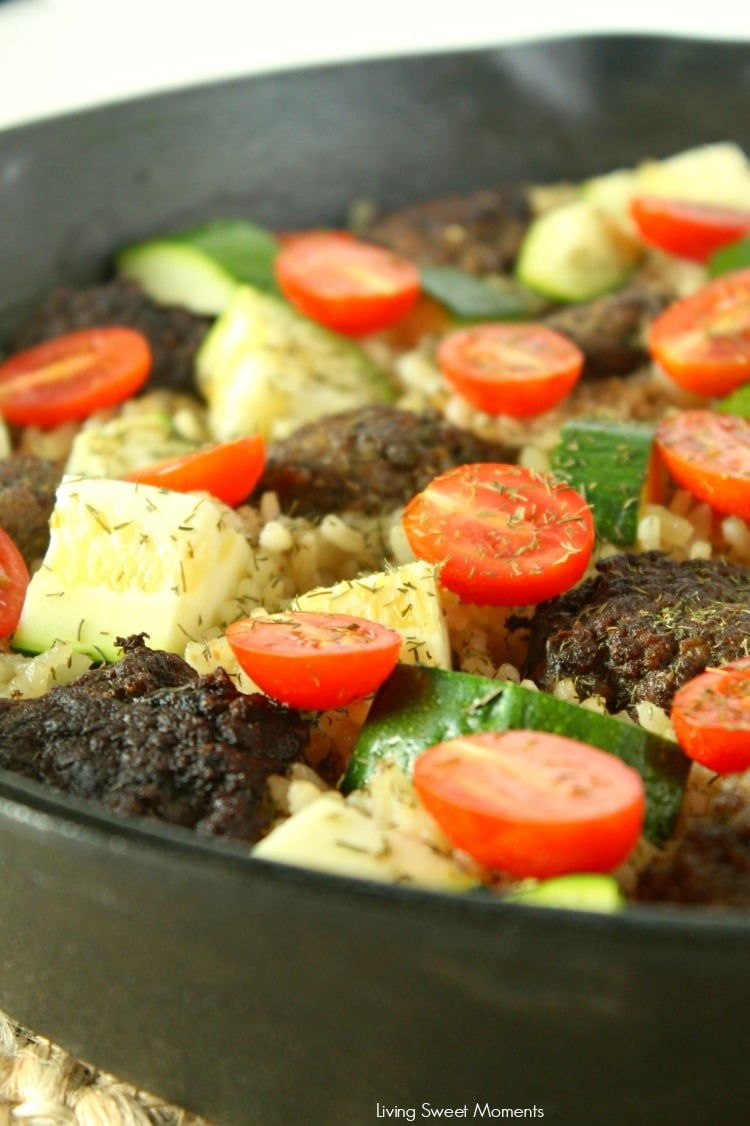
column 415, row 550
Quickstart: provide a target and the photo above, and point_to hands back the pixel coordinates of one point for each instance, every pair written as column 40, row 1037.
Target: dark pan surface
column 261, row 995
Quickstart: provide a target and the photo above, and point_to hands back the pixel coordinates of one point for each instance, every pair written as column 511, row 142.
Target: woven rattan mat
column 41, row 1085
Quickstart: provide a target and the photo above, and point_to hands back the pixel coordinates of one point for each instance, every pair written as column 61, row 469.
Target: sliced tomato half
column 315, row 661
column 711, row 717
column 531, row 803
column 703, row 341
column 504, row 535
column 348, row 285
column 229, row 470
column 686, row 229
column 515, row 369
column 72, row 376
column 709, row 455
column 14, row 579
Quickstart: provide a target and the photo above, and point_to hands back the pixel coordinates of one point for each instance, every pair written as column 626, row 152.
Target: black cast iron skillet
column 258, row 994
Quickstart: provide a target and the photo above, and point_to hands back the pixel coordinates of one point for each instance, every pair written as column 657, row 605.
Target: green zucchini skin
column 246, row 251
column 469, row 298
column 736, row 256
column 587, row 891
column 607, row 462
column 418, row 707
column 737, row 403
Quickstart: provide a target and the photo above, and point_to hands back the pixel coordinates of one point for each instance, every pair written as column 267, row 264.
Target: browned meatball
column 27, row 497
column 611, row 330
column 480, row 232
column 641, row 627
column 710, row 864
column 148, row 736
column 175, row 334
column 368, row 459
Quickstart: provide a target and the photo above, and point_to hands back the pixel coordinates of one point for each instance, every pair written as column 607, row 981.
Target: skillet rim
column 83, row 823
column 591, row 38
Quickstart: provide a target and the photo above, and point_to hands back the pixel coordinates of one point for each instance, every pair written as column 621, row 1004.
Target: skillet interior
column 260, row 995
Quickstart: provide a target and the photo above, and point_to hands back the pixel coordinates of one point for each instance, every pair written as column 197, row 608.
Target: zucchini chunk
column 607, row 462
column 587, row 891
column 406, row 599
column 202, row 268
column 333, row 835
column 737, row 402
column 717, row 173
column 119, row 445
column 126, row 559
column 418, row 707
column 265, row 369
column 469, row 298
column 171, row 273
column 576, row 252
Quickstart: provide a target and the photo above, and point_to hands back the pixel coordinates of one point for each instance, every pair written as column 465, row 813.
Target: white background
column 57, row 55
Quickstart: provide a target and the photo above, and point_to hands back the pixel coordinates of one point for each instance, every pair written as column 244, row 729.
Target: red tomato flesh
column 14, row 579
column 711, row 717
column 229, row 471
column 531, row 803
column 349, row 286
column 685, row 229
column 503, row 535
column 315, row 661
column 703, row 341
column 73, row 376
column 518, row 370
column 709, row 455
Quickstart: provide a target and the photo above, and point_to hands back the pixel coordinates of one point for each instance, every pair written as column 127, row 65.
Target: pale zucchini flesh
column 587, row 891
column 201, row 268
column 347, row 839
column 120, row 445
column 126, row 559
column 265, row 369
column 716, row 174
column 575, row 253
column 172, row 273
column 406, row 598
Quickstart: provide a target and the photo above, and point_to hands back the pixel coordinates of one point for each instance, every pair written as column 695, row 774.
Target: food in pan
column 110, row 735
column 415, row 551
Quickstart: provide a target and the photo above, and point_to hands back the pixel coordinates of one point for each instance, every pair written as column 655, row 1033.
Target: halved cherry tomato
column 515, row 369
column 316, row 661
column 686, row 229
column 531, row 803
column 228, row 471
column 352, row 287
column 711, row 717
column 709, row 455
column 703, row 341
column 504, row 535
column 14, row 579
column 73, row 376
